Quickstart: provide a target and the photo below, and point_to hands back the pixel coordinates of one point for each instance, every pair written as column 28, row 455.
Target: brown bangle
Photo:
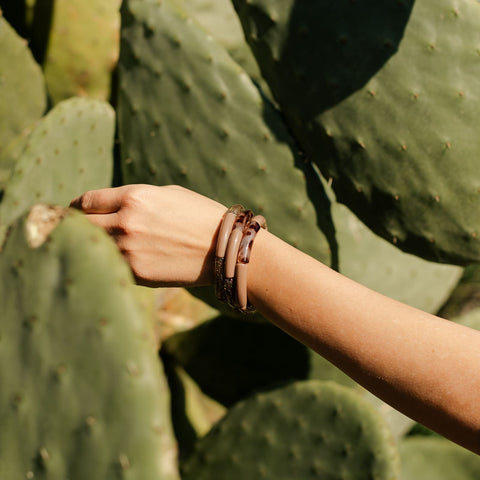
column 243, row 258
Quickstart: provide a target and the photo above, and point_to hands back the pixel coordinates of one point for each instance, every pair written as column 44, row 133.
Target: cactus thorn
column 44, row 455
column 90, row 421
column 123, row 462
column 132, row 369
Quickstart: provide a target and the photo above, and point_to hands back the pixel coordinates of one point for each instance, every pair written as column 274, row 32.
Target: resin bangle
column 222, row 241
column 243, row 258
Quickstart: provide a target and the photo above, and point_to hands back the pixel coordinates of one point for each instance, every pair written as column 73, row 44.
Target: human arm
column 422, row 365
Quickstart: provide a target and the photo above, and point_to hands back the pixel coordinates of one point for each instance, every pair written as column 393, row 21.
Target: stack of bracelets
column 234, row 245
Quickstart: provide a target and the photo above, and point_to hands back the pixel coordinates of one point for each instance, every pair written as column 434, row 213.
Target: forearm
column 424, row 366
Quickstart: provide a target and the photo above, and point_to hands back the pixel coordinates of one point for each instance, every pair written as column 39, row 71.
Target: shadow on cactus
column 330, row 48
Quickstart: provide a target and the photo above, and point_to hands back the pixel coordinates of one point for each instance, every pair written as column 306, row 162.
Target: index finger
column 105, row 200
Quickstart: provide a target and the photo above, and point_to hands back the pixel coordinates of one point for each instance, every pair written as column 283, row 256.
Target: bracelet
column 222, row 241
column 242, row 220
column 234, row 245
column 243, row 258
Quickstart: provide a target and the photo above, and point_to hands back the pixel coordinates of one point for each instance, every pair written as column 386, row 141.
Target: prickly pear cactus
column 384, row 98
column 214, row 355
column 82, row 391
column 82, row 48
column 68, row 152
column 432, row 458
column 371, row 261
column 22, row 93
column 220, row 20
column 305, row 430
column 188, row 114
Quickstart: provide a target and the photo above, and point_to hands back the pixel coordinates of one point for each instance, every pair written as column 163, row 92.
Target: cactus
column 431, row 458
column 214, row 355
column 383, row 98
column 193, row 412
column 22, row 94
column 370, row 260
column 82, row 48
column 465, row 296
column 220, row 20
column 68, row 152
column 82, row 390
column 304, row 430
column 188, row 114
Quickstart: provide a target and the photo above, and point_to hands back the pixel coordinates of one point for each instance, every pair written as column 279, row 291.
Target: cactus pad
column 431, row 458
column 189, row 115
column 372, row 261
column 22, row 92
column 306, row 430
column 83, row 48
column 68, row 152
column 384, row 97
column 82, row 394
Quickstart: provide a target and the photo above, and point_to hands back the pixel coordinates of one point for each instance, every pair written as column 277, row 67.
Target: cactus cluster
column 383, row 98
column 315, row 103
column 83, row 394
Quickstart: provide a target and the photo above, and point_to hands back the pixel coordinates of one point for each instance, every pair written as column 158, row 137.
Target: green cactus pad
column 83, row 48
column 68, row 152
column 220, row 20
column 384, row 98
column 189, row 115
column 214, row 355
column 431, row 458
column 22, row 93
column 82, row 390
column 193, row 412
column 307, row 430
column 371, row 261
column 465, row 296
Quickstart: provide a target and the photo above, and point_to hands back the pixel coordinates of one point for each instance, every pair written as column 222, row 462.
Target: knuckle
column 86, row 201
column 132, row 198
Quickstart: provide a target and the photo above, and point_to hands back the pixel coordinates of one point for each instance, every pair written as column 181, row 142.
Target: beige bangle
column 231, row 255
column 222, row 241
column 243, row 258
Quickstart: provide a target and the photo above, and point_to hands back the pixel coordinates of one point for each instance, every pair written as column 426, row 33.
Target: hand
column 167, row 234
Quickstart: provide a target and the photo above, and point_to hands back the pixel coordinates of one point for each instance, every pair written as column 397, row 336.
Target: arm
column 424, row 366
